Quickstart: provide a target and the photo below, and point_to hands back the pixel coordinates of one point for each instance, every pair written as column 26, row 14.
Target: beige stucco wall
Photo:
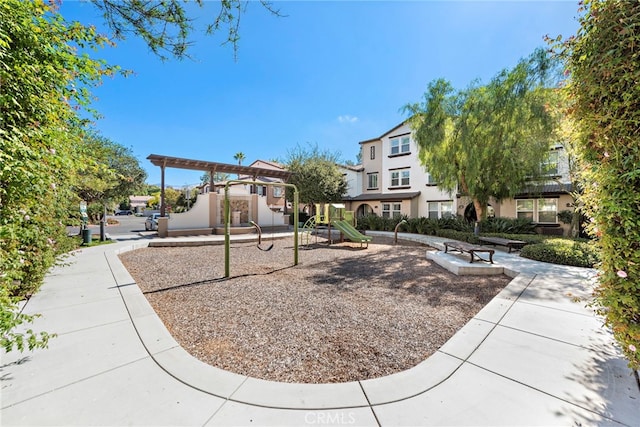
column 371, row 165
column 408, row 207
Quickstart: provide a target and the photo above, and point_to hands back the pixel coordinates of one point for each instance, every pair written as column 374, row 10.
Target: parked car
column 124, row 212
column 152, row 222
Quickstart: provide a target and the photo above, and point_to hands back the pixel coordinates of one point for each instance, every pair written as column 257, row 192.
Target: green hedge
column 563, row 252
column 556, row 250
column 508, row 226
column 463, row 236
column 529, row 238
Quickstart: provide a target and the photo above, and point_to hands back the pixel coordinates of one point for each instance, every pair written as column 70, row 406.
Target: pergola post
column 162, row 205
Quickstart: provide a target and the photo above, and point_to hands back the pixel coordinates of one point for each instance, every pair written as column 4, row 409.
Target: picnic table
column 473, row 250
column 511, row 244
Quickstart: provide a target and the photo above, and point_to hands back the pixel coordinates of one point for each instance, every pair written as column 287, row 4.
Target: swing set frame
column 227, row 219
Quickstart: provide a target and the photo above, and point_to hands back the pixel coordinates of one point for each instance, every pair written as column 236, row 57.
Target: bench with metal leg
column 472, row 250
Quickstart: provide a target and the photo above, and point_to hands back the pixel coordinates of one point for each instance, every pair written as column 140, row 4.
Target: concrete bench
column 511, row 244
column 470, row 249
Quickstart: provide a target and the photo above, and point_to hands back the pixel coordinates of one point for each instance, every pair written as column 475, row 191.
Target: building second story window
column 277, row 192
column 550, row 165
column 400, row 178
column 372, row 152
column 372, row 181
column 431, row 180
column 400, row 145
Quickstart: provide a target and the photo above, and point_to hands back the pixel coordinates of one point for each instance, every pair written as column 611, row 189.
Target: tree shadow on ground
column 405, row 270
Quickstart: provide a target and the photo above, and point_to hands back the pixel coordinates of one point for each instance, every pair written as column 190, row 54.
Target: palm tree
column 239, row 156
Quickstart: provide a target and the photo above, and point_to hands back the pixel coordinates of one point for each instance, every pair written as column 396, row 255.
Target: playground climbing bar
column 227, row 219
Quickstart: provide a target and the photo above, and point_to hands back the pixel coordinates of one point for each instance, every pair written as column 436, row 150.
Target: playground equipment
column 351, row 233
column 259, row 230
column 227, row 220
column 334, row 215
column 307, row 230
column 395, row 231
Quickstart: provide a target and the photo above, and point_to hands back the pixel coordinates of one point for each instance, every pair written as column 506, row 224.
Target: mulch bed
column 343, row 314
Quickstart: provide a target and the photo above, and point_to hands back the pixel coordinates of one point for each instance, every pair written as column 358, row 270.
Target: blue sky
column 330, row 73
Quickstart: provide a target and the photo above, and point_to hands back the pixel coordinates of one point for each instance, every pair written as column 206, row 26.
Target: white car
column 152, row 222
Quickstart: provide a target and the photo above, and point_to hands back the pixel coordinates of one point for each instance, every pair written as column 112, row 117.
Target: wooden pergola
column 211, row 167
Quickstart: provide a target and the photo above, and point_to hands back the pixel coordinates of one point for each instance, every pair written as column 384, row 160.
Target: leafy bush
column 604, row 95
column 507, row 225
column 41, row 146
column 565, row 216
column 463, row 236
column 529, row 238
column 422, row 225
column 457, row 223
column 562, row 251
column 378, row 223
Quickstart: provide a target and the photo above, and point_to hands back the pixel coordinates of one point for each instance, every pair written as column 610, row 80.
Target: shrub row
column 463, row 236
column 430, row 226
column 563, row 251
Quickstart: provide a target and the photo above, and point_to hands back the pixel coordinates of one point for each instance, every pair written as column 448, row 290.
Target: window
column 538, row 210
column 372, row 152
column 277, row 191
column 430, row 180
column 261, row 190
column 400, row 178
column 547, row 210
column 440, row 209
column 400, row 145
column 391, row 210
column 550, row 165
column 524, row 209
column 372, row 181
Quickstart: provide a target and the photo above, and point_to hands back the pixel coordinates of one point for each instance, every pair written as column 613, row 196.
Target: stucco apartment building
column 392, row 181
column 275, row 194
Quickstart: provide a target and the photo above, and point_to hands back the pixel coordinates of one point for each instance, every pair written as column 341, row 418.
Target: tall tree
column 165, row 26
column 604, row 65
column 239, row 156
column 487, row 141
column 205, row 178
column 110, row 173
column 315, row 174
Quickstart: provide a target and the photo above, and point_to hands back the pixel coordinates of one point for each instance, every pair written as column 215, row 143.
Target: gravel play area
column 344, row 313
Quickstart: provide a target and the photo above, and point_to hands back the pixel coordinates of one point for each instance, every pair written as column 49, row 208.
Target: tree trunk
column 479, row 209
column 476, row 203
column 574, row 230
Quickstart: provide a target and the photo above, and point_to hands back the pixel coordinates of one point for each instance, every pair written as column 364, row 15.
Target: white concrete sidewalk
column 533, row 356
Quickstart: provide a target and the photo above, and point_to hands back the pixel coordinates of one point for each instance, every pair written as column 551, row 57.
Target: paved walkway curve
column 533, row 356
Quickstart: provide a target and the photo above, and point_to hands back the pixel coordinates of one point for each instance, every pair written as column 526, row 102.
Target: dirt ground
column 344, row 313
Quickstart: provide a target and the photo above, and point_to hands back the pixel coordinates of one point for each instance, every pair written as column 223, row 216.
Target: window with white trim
column 372, row 181
column 548, row 210
column 538, row 210
column 440, row 209
column 391, row 210
column 431, row 180
column 400, row 178
column 400, row 145
column 277, row 191
column 550, row 165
